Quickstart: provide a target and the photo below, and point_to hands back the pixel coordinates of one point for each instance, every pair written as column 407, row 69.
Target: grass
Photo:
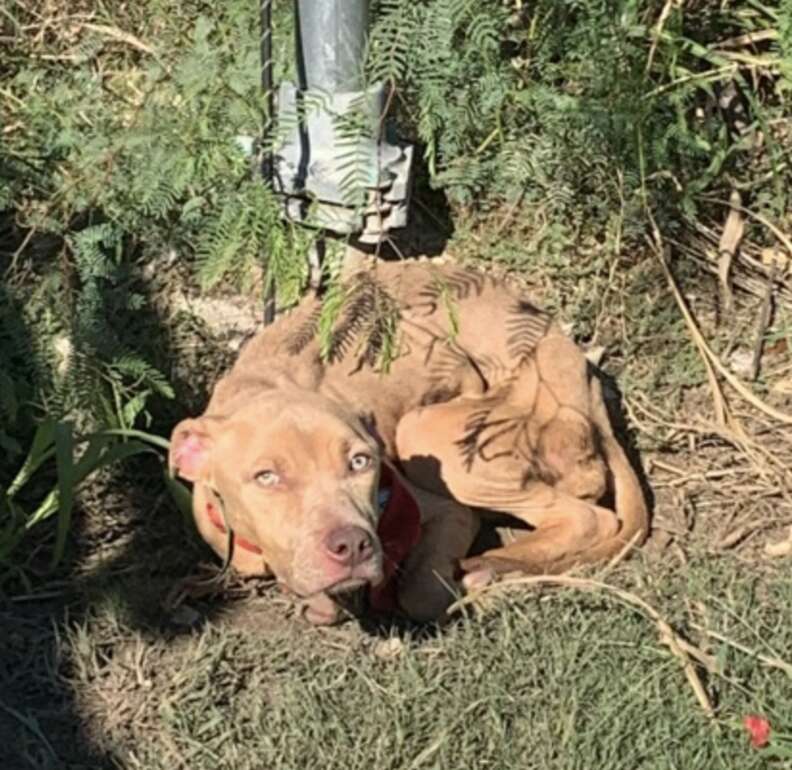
column 535, row 679
column 100, row 670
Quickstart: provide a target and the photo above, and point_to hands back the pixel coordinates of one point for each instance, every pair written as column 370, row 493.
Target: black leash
column 267, row 159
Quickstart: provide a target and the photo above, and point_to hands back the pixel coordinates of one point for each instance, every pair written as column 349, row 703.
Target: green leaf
column 151, row 438
column 779, row 751
column 64, row 460
column 120, row 451
column 41, row 450
column 46, row 508
column 179, row 493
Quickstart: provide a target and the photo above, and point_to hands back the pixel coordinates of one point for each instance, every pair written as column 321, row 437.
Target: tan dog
column 335, row 475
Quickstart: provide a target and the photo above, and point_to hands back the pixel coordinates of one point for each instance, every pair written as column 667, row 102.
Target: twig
column 487, row 141
column 678, row 646
column 15, row 257
column 759, row 218
column 766, row 659
column 714, row 73
column 763, row 323
column 751, row 276
column 748, row 39
column 13, row 97
column 36, row 597
column 730, row 239
column 705, row 476
column 55, row 56
column 723, row 414
column 761, row 457
column 510, row 213
column 121, row 36
column 428, row 211
column 654, row 463
column 712, row 361
column 656, row 417
column 622, row 554
column 658, row 31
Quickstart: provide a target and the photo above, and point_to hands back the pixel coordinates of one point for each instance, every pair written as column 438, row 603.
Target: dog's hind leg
column 541, row 449
column 563, row 526
column 566, row 531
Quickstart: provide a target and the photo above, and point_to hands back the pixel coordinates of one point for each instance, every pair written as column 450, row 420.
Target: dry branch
column 680, row 648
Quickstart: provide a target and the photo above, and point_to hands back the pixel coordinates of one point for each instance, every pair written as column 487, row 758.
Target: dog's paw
column 478, row 579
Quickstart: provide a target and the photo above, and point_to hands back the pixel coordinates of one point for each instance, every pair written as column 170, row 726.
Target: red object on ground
column 759, row 729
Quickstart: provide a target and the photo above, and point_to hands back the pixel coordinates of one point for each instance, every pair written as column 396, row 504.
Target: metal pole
column 268, row 88
column 338, row 119
column 331, row 44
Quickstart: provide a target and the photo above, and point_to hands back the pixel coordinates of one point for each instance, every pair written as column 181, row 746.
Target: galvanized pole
column 331, row 40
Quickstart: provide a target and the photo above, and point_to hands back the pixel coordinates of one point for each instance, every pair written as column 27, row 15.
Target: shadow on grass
column 126, row 546
column 40, row 725
column 616, row 413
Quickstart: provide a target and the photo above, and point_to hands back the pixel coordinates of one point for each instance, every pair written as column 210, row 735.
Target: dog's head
column 297, row 475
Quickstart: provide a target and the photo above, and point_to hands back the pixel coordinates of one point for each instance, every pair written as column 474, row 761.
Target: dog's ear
column 190, row 445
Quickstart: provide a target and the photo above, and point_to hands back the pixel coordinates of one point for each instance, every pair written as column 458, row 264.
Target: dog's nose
column 349, row 545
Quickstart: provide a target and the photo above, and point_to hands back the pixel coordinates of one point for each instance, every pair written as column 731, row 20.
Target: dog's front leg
column 429, row 580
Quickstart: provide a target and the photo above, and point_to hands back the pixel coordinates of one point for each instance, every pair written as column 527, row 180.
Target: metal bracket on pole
column 317, row 159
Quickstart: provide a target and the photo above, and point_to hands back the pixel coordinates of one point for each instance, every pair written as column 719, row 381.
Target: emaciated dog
column 334, row 473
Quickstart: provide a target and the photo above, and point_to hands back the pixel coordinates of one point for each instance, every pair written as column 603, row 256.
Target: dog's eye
column 359, row 462
column 267, row 478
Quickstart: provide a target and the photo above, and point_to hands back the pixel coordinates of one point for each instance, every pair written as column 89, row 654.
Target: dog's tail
column 629, row 500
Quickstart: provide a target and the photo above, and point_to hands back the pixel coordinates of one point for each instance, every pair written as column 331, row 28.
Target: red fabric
column 399, row 531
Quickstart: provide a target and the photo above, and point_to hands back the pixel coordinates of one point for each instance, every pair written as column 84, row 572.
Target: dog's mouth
column 348, row 586
column 361, row 575
column 367, row 574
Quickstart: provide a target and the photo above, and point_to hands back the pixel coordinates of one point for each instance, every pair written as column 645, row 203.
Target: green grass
column 544, row 679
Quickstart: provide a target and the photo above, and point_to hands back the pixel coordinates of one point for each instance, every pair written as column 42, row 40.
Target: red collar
column 399, row 531
column 239, row 542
